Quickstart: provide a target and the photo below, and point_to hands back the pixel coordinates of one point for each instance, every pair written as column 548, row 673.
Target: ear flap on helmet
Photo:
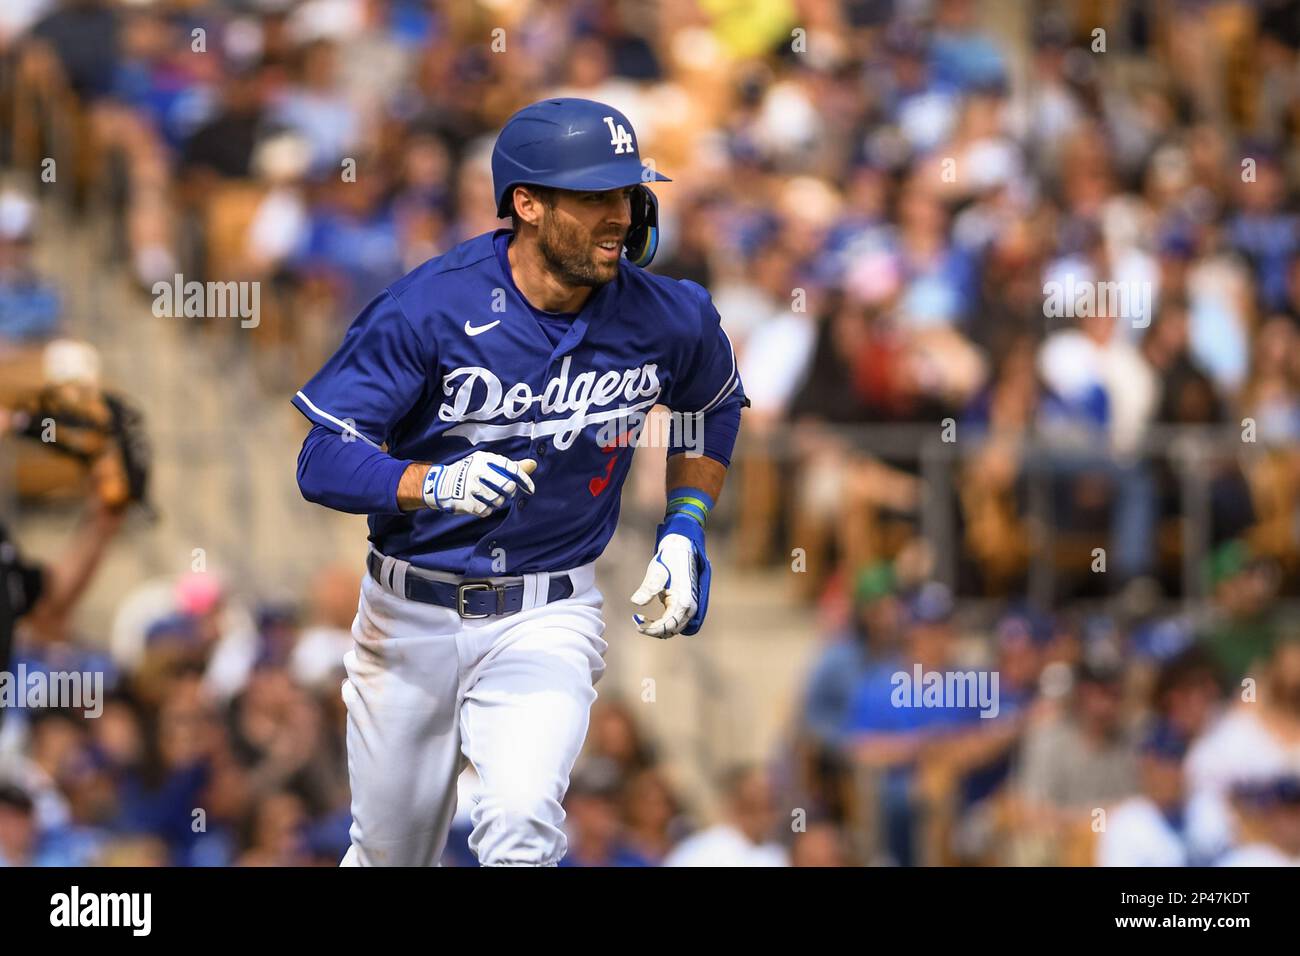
column 643, row 236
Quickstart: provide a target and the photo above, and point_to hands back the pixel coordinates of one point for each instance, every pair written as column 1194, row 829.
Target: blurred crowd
column 877, row 194
column 1118, row 738
column 1129, row 737
column 219, row 743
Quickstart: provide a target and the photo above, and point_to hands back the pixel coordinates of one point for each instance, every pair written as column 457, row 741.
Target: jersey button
column 523, row 503
column 541, row 451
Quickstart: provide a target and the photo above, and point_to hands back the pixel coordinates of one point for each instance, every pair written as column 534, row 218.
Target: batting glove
column 478, row 484
column 679, row 574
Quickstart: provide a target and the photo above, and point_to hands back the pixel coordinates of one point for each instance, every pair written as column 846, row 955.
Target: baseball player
column 482, row 410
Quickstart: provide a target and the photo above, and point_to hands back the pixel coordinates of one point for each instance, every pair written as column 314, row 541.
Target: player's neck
column 538, row 284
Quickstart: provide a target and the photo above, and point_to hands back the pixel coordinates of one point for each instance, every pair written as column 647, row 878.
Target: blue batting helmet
column 580, row 145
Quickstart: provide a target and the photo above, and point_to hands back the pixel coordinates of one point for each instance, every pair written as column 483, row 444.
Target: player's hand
column 478, row 484
column 672, row 576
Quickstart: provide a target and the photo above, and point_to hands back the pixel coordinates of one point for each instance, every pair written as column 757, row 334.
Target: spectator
column 745, row 837
column 275, row 836
column 872, row 634
column 1272, row 812
column 1240, row 628
column 888, row 734
column 314, row 106
column 651, row 815
column 30, row 307
column 592, row 822
column 1102, row 396
column 317, row 657
column 224, row 145
column 614, row 736
column 1255, row 740
column 1148, row 829
column 17, row 827
column 821, row 845
column 1076, row 763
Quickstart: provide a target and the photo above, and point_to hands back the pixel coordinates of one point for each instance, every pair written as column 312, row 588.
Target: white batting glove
column 671, row 576
column 478, row 484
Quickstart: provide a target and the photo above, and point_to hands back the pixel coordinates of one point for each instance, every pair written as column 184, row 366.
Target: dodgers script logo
column 576, row 399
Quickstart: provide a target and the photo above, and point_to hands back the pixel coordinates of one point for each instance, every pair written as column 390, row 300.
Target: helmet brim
column 592, row 179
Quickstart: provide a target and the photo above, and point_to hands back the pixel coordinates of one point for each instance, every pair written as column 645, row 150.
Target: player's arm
column 707, row 406
column 477, row 484
column 347, row 475
column 679, row 573
column 356, row 399
column 356, row 478
column 410, row 487
column 707, row 474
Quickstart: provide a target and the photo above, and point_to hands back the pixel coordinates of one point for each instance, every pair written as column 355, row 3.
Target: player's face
column 581, row 236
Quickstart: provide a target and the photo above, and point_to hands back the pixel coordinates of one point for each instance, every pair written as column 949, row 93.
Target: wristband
column 690, row 502
column 687, row 515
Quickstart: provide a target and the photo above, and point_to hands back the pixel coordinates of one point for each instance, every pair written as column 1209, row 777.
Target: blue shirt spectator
column 30, row 309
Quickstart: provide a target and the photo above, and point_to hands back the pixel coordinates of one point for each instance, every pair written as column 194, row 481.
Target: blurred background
column 938, row 467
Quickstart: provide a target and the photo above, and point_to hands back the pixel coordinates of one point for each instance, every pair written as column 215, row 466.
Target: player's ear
column 528, row 205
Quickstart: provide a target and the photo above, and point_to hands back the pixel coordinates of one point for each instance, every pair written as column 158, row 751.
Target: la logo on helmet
column 620, row 138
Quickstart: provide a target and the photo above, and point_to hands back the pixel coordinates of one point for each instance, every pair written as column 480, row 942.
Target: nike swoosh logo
column 480, row 329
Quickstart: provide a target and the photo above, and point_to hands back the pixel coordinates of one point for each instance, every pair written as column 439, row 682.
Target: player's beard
column 571, row 255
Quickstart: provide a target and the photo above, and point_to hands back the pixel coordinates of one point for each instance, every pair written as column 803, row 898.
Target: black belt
column 470, row 599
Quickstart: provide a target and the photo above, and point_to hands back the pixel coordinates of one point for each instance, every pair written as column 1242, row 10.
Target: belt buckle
column 460, row 599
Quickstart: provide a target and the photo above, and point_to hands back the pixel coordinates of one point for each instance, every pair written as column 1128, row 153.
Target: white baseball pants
column 427, row 691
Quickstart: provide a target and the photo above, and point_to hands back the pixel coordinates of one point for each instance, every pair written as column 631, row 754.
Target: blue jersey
column 452, row 358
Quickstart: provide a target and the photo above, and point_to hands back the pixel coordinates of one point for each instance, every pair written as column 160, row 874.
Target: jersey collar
column 598, row 304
